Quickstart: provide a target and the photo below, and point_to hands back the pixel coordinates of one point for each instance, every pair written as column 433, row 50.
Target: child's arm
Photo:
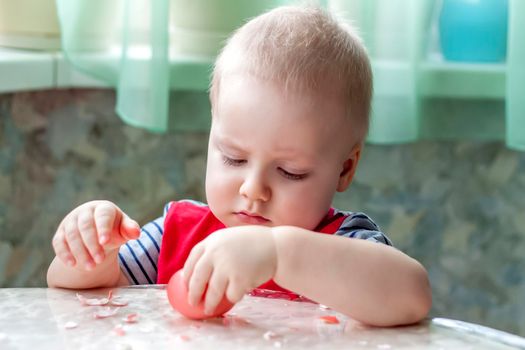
column 373, row 283
column 86, row 245
column 370, row 282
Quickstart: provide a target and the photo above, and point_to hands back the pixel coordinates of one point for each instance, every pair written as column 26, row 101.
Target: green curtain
column 124, row 43
column 419, row 95
column 146, row 49
column 515, row 134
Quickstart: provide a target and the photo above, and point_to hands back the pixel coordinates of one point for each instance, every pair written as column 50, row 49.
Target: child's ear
column 349, row 167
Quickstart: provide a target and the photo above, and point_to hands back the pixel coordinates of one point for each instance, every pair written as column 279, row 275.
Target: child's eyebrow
column 230, row 144
column 285, row 153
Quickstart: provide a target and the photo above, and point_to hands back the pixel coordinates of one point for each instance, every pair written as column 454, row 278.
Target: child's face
column 275, row 160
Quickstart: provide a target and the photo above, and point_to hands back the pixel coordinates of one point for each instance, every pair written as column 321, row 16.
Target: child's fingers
column 198, row 281
column 215, row 292
column 104, row 215
column 76, row 244
column 61, row 248
column 129, row 228
column 234, row 292
column 192, row 259
column 88, row 232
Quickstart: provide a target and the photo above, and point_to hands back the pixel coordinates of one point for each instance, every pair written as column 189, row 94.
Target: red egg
column 178, row 297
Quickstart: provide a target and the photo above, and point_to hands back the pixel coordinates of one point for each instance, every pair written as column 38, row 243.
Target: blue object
column 474, row 30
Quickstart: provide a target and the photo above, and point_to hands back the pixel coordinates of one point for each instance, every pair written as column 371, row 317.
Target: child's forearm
column 105, row 274
column 372, row 283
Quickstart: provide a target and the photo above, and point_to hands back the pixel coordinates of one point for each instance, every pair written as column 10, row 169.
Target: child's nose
column 255, row 188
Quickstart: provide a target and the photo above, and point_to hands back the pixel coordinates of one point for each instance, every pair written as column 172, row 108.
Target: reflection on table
column 141, row 318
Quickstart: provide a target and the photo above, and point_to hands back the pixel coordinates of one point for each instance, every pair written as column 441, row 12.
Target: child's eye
column 292, row 176
column 232, row 161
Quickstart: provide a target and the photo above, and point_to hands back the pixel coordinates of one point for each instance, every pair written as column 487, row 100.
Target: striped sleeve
column 138, row 258
column 359, row 225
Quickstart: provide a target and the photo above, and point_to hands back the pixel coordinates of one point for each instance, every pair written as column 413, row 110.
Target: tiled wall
column 458, row 207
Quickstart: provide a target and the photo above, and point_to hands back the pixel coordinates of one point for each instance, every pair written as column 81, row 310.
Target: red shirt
column 187, row 223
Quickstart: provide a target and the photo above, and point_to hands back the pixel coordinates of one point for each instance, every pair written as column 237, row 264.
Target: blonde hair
column 306, row 49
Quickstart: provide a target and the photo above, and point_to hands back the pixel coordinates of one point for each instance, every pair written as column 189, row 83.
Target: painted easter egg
column 178, row 298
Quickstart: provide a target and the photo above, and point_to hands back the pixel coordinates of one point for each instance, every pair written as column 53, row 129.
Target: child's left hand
column 230, row 262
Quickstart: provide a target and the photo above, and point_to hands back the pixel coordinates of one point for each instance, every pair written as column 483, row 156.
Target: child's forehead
column 252, row 107
column 292, row 90
column 302, row 152
column 289, row 76
column 248, row 91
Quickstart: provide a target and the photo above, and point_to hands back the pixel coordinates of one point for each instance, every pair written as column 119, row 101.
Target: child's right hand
column 90, row 231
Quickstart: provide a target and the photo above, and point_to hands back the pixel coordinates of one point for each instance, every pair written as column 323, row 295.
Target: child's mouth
column 251, row 218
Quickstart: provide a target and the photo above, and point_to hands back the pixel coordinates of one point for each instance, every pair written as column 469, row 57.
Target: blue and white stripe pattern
column 359, row 225
column 138, row 258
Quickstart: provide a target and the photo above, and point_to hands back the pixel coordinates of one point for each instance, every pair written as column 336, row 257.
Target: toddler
column 290, row 97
